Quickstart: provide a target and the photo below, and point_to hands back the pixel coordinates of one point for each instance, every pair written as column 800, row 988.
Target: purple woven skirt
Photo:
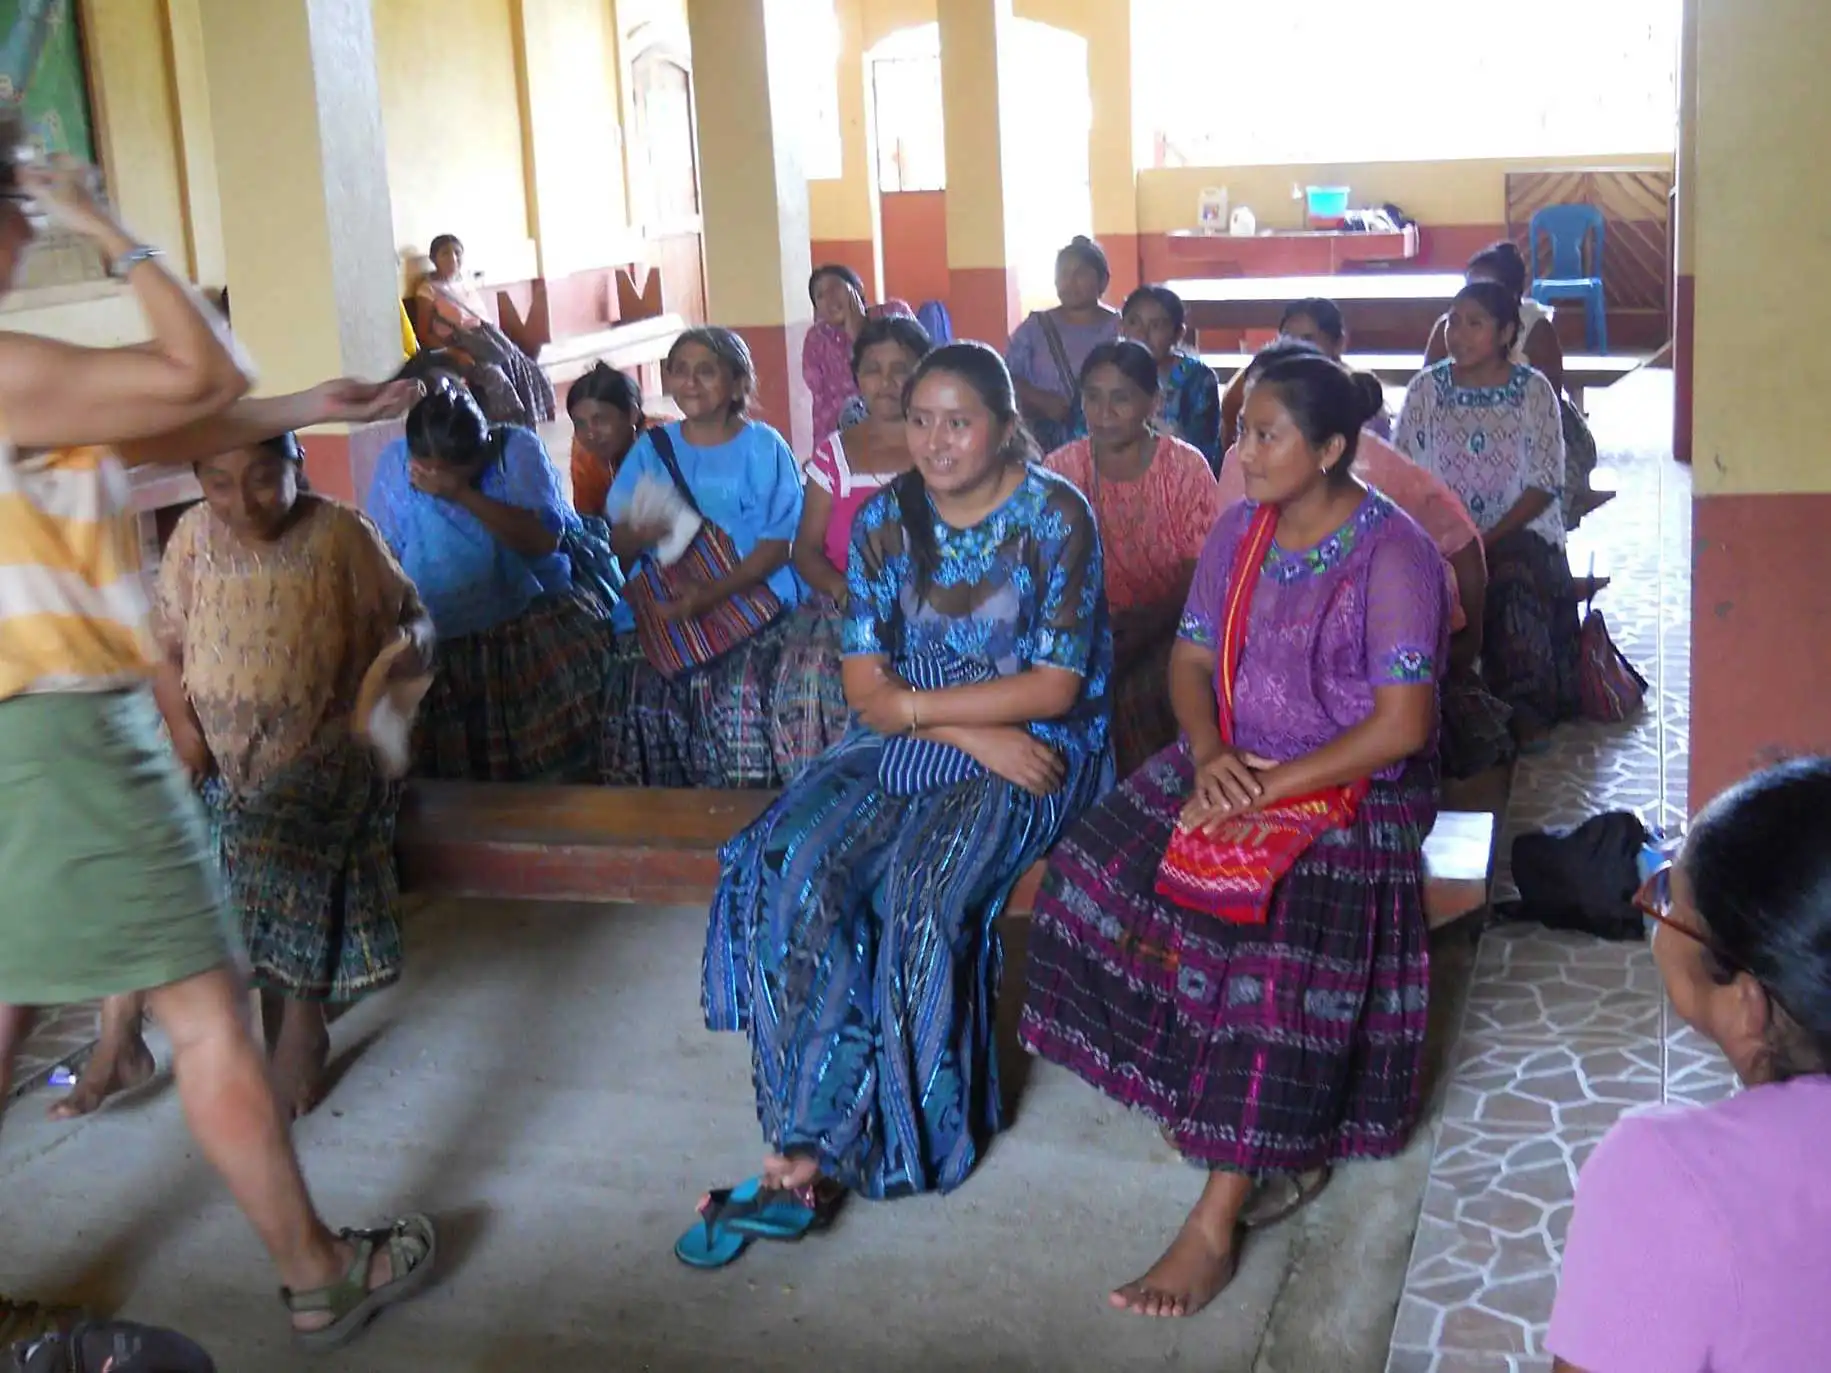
column 1262, row 1049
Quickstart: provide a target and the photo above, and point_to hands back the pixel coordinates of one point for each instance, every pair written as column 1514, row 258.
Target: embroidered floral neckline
column 1294, row 565
column 1508, row 392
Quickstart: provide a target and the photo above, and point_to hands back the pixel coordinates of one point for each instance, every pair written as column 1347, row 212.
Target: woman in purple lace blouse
column 1267, row 1052
column 840, row 312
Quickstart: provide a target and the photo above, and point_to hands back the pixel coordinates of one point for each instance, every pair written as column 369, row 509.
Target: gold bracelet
column 915, row 711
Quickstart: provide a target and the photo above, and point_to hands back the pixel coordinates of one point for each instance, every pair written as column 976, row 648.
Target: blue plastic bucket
column 1327, row 204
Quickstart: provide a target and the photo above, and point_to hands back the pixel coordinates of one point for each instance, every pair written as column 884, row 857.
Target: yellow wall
column 1763, row 124
column 574, row 102
column 451, row 107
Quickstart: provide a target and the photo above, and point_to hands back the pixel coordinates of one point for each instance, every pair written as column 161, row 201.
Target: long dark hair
column 448, row 426
column 980, row 367
column 1504, row 262
column 608, row 386
column 1324, row 399
column 1171, row 304
column 1759, row 862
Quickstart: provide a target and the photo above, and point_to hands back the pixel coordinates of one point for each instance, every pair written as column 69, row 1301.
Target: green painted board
column 41, row 58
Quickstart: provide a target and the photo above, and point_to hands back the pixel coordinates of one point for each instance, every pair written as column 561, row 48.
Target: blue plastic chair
column 1569, row 227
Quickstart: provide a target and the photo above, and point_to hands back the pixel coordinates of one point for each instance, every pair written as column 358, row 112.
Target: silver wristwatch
column 132, row 258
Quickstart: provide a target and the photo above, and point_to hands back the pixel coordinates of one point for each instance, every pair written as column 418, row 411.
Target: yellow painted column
column 1761, row 523
column 1112, row 143
column 845, row 214
column 1684, row 240
column 307, row 229
column 753, row 194
column 976, row 41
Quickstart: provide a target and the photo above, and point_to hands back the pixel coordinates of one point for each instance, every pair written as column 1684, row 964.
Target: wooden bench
column 1581, row 370
column 659, row 846
column 638, row 348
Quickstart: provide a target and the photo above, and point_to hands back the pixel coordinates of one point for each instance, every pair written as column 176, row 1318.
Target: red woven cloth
column 1231, row 870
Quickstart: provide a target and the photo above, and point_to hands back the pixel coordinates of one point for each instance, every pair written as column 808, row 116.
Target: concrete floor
column 542, row 1084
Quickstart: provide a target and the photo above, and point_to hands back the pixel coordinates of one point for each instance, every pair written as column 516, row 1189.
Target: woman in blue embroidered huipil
column 852, row 933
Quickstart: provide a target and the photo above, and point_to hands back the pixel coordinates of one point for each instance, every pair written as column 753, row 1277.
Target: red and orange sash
column 1231, row 870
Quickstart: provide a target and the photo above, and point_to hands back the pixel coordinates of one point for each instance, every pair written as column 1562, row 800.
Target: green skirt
column 109, row 880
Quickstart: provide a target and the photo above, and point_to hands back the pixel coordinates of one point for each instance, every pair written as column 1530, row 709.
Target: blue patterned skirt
column 308, row 857
column 852, row 936
column 808, row 713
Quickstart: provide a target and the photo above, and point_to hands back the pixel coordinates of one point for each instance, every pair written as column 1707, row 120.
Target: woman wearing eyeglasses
column 1701, row 1238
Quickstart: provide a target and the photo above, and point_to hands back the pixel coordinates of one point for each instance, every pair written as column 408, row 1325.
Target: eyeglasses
column 1654, row 901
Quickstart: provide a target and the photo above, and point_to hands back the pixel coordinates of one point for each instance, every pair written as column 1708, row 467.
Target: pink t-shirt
column 828, row 470
column 1701, row 1240
column 1420, row 494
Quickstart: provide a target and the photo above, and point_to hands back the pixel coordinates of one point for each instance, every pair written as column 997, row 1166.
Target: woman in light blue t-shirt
column 707, row 726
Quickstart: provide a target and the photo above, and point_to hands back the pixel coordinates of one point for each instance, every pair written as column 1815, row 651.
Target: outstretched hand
column 348, row 400
column 66, row 190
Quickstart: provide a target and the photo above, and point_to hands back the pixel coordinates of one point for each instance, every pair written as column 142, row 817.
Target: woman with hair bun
column 1048, row 349
column 474, row 513
column 1155, row 499
column 1701, row 1236
column 853, row 933
column 1280, row 1030
column 1489, row 427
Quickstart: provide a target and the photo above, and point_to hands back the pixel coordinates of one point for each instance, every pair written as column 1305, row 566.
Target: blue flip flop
column 774, row 1215
column 713, row 1243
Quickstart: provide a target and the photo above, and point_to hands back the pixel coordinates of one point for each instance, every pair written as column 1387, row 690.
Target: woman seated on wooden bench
column 809, row 713
column 840, row 316
column 1315, row 321
column 1702, row 1234
column 1156, row 500
column 1189, row 398
column 1537, row 347
column 699, row 638
column 1271, row 1017
column 1475, row 735
column 978, row 657
column 605, row 407
column 1488, row 426
column 450, row 314
column 474, row 513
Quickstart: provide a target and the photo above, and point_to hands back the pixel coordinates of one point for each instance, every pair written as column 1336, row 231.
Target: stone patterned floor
column 1564, row 1034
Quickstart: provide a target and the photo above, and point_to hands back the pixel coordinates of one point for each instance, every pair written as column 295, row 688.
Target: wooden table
column 1309, row 251
column 1380, row 308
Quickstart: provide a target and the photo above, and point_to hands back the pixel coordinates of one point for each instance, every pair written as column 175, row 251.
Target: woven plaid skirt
column 1262, row 1049
column 707, row 728
column 1143, row 721
column 808, row 713
column 308, row 857
column 1529, row 633
column 522, row 702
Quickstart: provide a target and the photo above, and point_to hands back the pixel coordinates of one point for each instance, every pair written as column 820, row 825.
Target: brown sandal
column 412, row 1244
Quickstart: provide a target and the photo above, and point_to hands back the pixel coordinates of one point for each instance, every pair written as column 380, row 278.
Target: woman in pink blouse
column 848, row 468
column 840, row 313
column 1155, row 500
column 1701, row 1238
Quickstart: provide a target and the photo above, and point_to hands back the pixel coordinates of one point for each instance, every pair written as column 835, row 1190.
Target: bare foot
column 1193, row 1271
column 790, row 1174
column 299, row 1061
column 108, row 1071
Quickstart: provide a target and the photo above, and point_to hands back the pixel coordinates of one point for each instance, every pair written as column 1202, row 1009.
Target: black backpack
column 1583, row 878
